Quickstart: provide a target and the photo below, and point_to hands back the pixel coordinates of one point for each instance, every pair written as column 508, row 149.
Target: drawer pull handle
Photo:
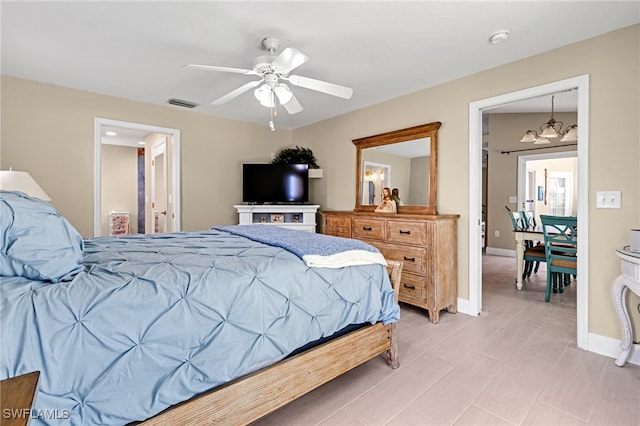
column 410, row 259
column 410, row 287
column 367, row 228
column 405, row 232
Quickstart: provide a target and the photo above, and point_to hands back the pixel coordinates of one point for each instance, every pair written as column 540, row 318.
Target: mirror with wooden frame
column 405, row 160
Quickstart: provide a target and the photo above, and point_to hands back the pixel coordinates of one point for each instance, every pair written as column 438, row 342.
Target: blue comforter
column 155, row 319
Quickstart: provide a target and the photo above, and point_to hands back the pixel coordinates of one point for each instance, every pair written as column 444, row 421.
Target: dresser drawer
column 400, row 231
column 338, row 226
column 426, row 245
column 368, row 228
column 412, row 289
column 414, row 258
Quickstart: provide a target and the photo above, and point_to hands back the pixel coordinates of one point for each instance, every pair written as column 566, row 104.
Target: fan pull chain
column 274, row 113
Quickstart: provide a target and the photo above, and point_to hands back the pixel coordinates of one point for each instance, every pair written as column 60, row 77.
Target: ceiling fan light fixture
column 264, row 95
column 283, row 93
column 272, row 70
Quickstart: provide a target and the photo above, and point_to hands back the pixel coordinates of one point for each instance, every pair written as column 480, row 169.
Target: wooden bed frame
column 251, row 397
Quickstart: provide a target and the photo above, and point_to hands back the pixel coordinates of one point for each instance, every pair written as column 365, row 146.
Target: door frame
column 157, row 149
column 522, row 170
column 98, row 123
column 581, row 83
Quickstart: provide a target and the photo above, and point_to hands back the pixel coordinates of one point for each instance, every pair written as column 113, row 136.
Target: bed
column 183, row 328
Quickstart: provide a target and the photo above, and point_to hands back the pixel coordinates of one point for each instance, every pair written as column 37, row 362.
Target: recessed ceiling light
column 141, row 143
column 499, row 36
column 110, row 133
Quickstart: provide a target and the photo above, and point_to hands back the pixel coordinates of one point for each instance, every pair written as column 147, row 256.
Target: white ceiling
column 122, row 136
column 382, row 49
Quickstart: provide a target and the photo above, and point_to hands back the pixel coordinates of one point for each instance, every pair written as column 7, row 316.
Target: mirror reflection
column 402, row 163
column 402, row 167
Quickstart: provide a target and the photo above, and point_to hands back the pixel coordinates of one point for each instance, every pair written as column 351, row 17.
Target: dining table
column 532, row 234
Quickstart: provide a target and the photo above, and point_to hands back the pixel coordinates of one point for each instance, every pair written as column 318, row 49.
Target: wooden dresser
column 426, row 244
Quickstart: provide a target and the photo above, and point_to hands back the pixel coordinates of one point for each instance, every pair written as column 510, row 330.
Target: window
column 560, row 192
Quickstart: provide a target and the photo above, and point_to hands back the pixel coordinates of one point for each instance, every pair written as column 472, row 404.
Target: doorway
column 581, row 83
column 547, row 183
column 171, row 171
column 376, row 177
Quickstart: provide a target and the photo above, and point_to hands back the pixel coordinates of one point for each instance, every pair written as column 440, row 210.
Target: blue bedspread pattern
column 153, row 320
column 316, row 250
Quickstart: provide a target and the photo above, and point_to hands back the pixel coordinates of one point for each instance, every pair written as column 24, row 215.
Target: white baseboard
column 600, row 345
column 500, row 252
column 463, row 307
column 607, row 346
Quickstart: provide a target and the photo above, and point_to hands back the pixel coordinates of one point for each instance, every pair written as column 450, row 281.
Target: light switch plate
column 608, row 199
column 513, row 199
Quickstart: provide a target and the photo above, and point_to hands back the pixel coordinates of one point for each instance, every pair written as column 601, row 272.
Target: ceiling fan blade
column 293, row 106
column 289, row 59
column 321, row 86
column 237, row 92
column 222, row 69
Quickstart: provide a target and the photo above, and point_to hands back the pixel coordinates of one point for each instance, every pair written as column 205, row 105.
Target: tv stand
column 293, row 216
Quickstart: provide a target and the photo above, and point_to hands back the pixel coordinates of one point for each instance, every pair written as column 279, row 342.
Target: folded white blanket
column 315, row 250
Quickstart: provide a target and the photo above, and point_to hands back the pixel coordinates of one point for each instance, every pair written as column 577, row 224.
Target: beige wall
column 120, row 170
column 418, row 195
column 48, row 131
column 612, row 62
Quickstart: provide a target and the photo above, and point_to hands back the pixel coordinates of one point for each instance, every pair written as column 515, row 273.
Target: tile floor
column 516, row 364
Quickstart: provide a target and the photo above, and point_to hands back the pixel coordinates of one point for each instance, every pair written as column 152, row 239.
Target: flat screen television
column 275, row 183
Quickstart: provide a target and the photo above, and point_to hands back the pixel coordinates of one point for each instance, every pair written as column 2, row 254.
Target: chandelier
column 551, row 129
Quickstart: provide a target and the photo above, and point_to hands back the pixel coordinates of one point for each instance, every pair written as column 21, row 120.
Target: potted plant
column 296, row 155
column 299, row 155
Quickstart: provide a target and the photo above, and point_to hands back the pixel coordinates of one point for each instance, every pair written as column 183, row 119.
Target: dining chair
column 561, row 249
column 529, row 218
column 533, row 254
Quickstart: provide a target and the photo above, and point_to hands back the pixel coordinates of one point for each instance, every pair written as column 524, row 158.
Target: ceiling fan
column 273, row 70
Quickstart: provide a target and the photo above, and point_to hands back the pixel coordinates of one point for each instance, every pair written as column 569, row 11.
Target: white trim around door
column 97, row 172
column 581, row 83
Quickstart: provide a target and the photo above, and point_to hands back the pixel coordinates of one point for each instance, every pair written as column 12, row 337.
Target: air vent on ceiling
column 181, row 103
